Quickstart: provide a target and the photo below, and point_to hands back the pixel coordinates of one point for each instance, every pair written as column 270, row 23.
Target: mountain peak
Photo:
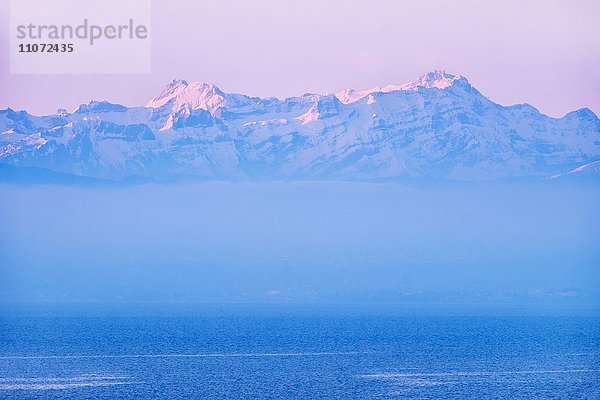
column 434, row 79
column 431, row 80
column 100, row 106
column 167, row 93
column 184, row 96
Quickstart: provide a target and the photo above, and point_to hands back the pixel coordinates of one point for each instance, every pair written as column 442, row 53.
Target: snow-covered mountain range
column 438, row 126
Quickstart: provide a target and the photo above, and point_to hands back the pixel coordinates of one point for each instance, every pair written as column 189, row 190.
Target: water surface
column 280, row 355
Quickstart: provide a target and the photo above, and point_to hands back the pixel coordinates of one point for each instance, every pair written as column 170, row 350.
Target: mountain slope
column 438, row 126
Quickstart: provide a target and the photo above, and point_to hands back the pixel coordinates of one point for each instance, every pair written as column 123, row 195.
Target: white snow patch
column 435, row 79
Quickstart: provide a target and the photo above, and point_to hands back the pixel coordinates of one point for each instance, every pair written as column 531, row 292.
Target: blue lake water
column 286, row 355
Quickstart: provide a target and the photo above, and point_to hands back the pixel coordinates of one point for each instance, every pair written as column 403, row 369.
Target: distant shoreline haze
column 514, row 245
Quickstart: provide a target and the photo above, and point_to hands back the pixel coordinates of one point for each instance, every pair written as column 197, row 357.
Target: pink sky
column 546, row 53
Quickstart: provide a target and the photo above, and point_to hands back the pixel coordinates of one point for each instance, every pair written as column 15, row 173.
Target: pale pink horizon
column 545, row 53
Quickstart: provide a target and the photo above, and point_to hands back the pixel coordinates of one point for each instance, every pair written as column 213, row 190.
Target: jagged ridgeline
column 438, row 126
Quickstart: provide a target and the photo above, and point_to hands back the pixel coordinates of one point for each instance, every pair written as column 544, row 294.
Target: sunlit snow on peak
column 432, row 80
column 191, row 96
